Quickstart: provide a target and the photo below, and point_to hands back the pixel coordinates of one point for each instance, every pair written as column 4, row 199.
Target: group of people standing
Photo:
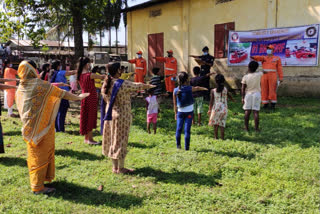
column 42, row 101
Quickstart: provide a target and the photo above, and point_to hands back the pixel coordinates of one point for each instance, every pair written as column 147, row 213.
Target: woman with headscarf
column 38, row 103
column 89, row 108
column 116, row 93
column 9, row 73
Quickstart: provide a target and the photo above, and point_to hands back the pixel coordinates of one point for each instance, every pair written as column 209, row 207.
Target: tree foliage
column 41, row 16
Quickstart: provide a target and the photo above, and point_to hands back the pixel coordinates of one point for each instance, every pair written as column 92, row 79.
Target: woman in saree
column 116, row 93
column 38, row 103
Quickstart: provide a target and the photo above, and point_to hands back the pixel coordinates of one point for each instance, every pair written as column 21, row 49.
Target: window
column 222, row 1
column 155, row 13
column 221, row 36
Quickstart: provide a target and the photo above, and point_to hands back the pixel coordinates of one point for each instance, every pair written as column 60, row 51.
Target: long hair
column 220, row 82
column 31, row 62
column 82, row 62
column 5, row 64
column 44, row 70
column 113, row 69
column 55, row 65
column 182, row 79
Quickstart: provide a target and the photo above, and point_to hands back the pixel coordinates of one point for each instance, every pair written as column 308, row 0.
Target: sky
column 121, row 31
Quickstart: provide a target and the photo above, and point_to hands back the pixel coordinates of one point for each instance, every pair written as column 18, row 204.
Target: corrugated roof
column 49, row 43
column 146, row 5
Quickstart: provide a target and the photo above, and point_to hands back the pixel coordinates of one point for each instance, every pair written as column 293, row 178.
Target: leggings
column 186, row 119
column 61, row 116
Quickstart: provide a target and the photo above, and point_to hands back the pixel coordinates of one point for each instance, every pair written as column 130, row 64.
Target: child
column 152, row 111
column 198, row 96
column 218, row 107
column 183, row 107
column 97, row 82
column 156, row 80
column 251, row 94
column 73, row 81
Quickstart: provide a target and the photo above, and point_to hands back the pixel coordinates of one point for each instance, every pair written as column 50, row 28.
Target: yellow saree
column 38, row 103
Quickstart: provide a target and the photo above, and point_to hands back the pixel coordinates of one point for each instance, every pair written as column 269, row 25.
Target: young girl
column 218, row 107
column 152, row 107
column 183, row 107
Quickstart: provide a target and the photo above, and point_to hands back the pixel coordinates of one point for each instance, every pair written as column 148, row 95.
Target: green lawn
column 275, row 171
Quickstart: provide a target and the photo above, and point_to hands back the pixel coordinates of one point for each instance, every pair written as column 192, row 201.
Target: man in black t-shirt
column 206, row 61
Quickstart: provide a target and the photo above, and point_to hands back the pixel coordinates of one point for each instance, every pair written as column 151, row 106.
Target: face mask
column 10, row 65
column 139, row 55
column 205, row 53
column 60, row 68
column 269, row 51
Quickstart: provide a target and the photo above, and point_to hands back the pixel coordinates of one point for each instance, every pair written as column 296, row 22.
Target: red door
column 155, row 48
column 221, row 37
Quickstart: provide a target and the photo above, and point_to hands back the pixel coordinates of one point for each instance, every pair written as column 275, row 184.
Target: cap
column 139, row 52
column 169, row 51
column 270, row 47
column 205, row 48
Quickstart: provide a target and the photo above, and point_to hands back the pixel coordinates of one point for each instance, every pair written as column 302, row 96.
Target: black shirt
column 205, row 69
column 198, row 81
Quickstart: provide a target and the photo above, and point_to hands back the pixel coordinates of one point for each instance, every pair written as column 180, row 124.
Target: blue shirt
column 61, row 77
column 185, row 97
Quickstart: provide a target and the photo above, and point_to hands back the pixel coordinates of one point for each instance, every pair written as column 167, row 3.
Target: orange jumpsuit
column 141, row 69
column 271, row 65
column 170, row 71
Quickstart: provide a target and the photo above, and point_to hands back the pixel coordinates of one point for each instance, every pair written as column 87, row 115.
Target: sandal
column 46, row 191
column 91, row 142
column 115, row 171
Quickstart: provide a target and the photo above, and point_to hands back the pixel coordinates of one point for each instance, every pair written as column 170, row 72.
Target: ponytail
column 113, row 68
column 82, row 62
column 182, row 79
column 220, row 82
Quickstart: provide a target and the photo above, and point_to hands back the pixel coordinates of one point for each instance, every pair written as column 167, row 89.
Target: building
column 185, row 26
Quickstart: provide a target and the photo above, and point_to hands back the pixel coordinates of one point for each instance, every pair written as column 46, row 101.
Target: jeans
column 186, row 119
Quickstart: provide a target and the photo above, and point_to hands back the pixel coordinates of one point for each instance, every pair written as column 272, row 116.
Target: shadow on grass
column 78, row 155
column 140, row 145
column 179, row 177
column 229, row 154
column 85, row 195
column 12, row 133
column 13, row 161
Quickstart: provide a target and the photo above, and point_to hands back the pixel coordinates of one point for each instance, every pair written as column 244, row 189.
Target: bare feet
column 115, row 171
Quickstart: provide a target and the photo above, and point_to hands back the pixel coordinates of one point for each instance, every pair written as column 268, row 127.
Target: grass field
column 275, row 171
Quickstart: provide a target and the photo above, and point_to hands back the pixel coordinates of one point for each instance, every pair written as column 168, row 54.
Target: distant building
column 186, row 26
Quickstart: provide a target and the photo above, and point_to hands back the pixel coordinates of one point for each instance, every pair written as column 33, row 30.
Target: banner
column 296, row 46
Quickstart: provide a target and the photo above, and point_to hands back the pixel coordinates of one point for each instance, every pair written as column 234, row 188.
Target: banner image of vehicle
column 296, row 46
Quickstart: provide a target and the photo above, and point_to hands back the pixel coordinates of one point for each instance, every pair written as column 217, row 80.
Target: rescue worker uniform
column 141, row 68
column 170, row 71
column 273, row 68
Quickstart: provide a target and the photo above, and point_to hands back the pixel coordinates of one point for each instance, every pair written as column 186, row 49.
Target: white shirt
column 153, row 105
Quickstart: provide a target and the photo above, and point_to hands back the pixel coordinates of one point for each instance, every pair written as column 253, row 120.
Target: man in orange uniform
column 141, row 67
column 272, row 66
column 170, row 70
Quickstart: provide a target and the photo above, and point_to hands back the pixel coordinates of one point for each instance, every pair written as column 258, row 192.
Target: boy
column 251, row 94
column 198, row 96
column 156, row 80
column 152, row 107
